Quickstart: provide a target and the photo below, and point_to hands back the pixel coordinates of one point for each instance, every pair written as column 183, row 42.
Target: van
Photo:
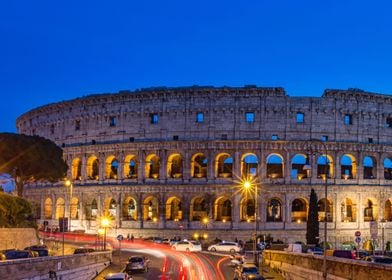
column 347, row 254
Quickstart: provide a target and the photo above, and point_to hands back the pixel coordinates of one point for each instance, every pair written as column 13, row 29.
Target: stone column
column 101, row 167
column 141, row 167
column 287, row 167
column 140, row 212
column 186, row 172
column 237, row 164
column 84, row 169
column 120, row 170
column 211, row 166
column 163, row 165
column 119, row 210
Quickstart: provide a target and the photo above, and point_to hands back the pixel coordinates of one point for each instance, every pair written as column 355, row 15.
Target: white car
column 118, row 276
column 187, row 246
column 224, row 246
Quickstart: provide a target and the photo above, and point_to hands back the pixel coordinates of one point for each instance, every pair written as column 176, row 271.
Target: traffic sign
column 120, row 237
column 357, row 239
column 357, row 233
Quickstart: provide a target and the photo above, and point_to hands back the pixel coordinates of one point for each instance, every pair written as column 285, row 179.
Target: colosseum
column 172, row 161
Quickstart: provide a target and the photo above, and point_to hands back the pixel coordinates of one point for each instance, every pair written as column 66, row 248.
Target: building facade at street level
column 166, row 158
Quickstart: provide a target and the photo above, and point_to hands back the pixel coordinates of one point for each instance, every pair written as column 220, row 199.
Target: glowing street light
column 248, row 185
column 69, row 184
column 104, row 224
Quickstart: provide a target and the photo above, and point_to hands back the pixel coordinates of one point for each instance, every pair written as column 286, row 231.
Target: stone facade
column 167, row 158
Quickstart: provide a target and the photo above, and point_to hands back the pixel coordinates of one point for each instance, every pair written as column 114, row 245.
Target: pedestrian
column 128, row 237
column 132, row 238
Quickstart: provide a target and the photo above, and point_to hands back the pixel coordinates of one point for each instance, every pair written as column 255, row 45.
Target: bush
column 15, row 212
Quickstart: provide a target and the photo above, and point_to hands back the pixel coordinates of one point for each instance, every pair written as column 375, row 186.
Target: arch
column 249, row 165
column 369, row 211
column 299, row 211
column 324, row 165
column 247, row 210
column 48, row 208
column 224, row 166
column 199, row 208
column 222, row 207
column 388, row 168
column 91, row 210
column 130, row 167
column 76, row 170
column 93, row 168
column 348, row 167
column 297, row 166
column 129, row 209
column 388, row 210
column 199, row 166
column 60, row 208
column 321, row 210
column 173, row 209
column 369, row 168
column 152, row 166
column 274, row 210
column 174, row 166
column 74, row 208
column 275, row 166
column 150, row 208
column 110, row 207
column 111, row 168
column 348, row 210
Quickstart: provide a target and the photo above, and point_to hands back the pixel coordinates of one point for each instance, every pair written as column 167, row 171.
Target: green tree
column 15, row 212
column 30, row 159
column 312, row 225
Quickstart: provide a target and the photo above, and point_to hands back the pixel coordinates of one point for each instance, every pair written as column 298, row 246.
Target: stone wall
column 75, row 267
column 305, row 266
column 17, row 238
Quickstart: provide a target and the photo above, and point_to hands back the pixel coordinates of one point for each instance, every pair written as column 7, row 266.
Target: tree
column 30, row 159
column 312, row 225
column 15, row 212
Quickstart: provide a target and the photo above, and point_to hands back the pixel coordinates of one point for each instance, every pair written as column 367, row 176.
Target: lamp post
column 69, row 184
column 326, row 169
column 105, row 224
column 247, row 184
column 382, row 223
column 205, row 223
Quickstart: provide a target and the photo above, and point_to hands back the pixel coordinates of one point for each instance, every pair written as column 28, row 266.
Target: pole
column 104, row 239
column 255, row 233
column 70, row 208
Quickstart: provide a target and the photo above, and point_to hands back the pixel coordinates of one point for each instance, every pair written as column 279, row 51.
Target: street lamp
column 104, row 224
column 326, row 169
column 382, row 223
column 69, row 184
column 248, row 185
column 205, row 223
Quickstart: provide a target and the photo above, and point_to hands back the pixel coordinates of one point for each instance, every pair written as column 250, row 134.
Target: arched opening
column 74, row 210
column 150, row 209
column 248, row 209
column 299, row 210
column 274, row 166
column 369, row 170
column 152, row 167
column 348, row 167
column 249, row 166
column 93, row 168
column 369, row 213
column 324, row 167
column 224, row 166
column 274, row 210
column 173, row 209
column 48, row 208
column 76, row 171
column 198, row 209
column 174, row 166
column 388, row 210
column 111, row 168
column 130, row 167
column 321, row 210
column 129, row 209
column 348, row 211
column 110, row 207
column 387, row 169
column 222, row 209
column 199, row 166
column 297, row 167
column 60, row 208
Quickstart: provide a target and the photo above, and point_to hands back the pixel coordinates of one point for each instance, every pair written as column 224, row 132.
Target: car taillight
column 354, row 256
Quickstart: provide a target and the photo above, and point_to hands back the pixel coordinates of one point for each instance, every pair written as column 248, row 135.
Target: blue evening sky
column 52, row 51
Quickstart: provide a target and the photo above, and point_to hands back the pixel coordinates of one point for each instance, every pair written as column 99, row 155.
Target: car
column 83, row 250
column 153, row 239
column 378, row 259
column 347, row 254
column 225, row 246
column 168, row 241
column 12, row 254
column 137, row 263
column 187, row 246
column 41, row 250
column 97, row 245
column 118, row 276
column 247, row 271
column 315, row 251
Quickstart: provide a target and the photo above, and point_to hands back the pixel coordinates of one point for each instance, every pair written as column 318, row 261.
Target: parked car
column 12, row 254
column 315, row 251
column 379, row 259
column 247, row 271
column 41, row 250
column 98, row 245
column 168, row 241
column 137, row 263
column 83, row 250
column 154, row 239
column 224, row 246
column 118, row 276
column 187, row 246
column 347, row 254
